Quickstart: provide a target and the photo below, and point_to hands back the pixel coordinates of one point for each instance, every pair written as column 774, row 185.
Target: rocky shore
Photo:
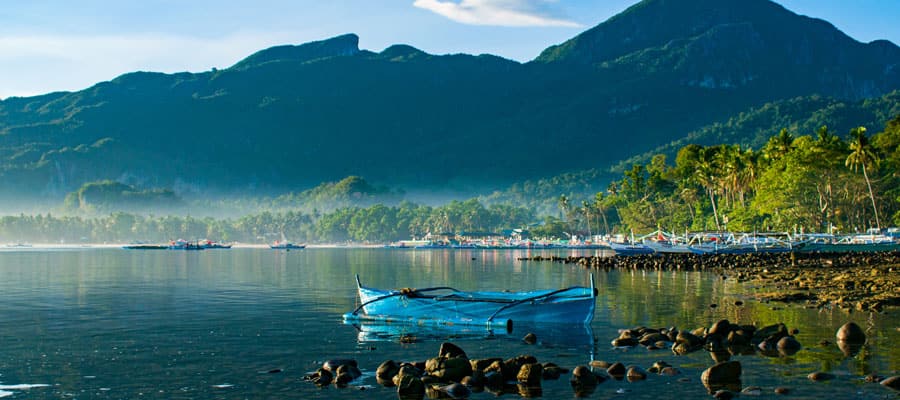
column 860, row 281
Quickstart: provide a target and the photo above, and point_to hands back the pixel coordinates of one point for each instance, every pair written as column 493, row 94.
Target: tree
column 861, row 154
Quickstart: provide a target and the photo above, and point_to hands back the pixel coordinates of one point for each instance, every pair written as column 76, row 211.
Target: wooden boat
column 630, row 249
column 209, row 244
column 182, row 244
column 144, row 246
column 449, row 306
column 285, row 245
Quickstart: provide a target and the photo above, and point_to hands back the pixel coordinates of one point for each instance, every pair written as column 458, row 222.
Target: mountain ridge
column 290, row 117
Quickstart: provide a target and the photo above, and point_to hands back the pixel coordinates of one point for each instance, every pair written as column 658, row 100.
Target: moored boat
column 630, row 249
column 446, row 305
column 182, row 244
column 209, row 244
column 286, row 245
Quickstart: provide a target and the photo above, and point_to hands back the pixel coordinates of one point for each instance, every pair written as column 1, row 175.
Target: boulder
column 530, row 374
column 722, row 373
column 788, row 346
column 332, row 365
column 851, row 333
column 451, row 350
column 410, row 388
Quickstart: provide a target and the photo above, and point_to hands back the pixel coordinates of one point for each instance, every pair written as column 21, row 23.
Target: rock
column 530, row 374
column 451, row 350
column 583, row 381
column 482, row 364
column 386, row 372
column 739, row 338
column 669, row 371
column 552, row 371
column 788, row 346
column 476, row 380
column 772, row 332
column 624, row 342
column 722, row 373
column 752, row 391
column 449, row 369
column 456, row 391
column 657, row 367
column 600, row 364
column 820, row 376
column 617, row 370
column 342, row 379
column 406, row 370
column 410, row 388
column 689, row 339
column 494, row 379
column 723, row 395
column 322, row 377
column 782, row 390
column 349, row 370
column 332, row 365
column 635, row 373
column 652, row 338
column 892, row 382
column 851, row 333
column 530, row 338
column 721, row 328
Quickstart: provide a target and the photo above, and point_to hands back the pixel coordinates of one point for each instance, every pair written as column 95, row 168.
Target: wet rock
column 624, row 342
column 450, row 350
column 600, row 364
column 692, row 340
column 788, row 346
column 552, row 371
column 449, row 369
column 752, row 391
column 482, row 364
column 657, row 367
column 583, row 381
column 617, row 370
column 477, row 380
column 530, row 338
column 669, row 371
column 721, row 328
column 771, row 332
column 332, row 365
column 652, row 338
column 892, row 382
column 530, row 374
column 386, row 372
column 322, row 377
column 739, row 338
column 782, row 390
column 342, row 379
column 722, row 373
column 820, row 376
column 635, row 373
column 406, row 370
column 723, row 395
column 456, row 391
column 349, row 370
column 851, row 333
column 873, row 378
column 410, row 388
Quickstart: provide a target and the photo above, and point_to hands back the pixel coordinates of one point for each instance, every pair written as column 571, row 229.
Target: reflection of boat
column 19, row 245
column 286, row 245
column 558, row 335
column 448, row 306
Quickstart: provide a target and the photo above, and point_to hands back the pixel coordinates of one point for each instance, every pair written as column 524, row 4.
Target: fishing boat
column 449, row 306
column 866, row 243
column 209, row 244
column 630, row 249
column 145, row 246
column 182, row 244
column 286, row 245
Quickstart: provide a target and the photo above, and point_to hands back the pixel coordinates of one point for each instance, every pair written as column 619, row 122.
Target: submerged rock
column 851, row 332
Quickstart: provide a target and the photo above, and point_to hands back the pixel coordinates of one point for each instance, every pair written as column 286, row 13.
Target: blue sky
column 50, row 45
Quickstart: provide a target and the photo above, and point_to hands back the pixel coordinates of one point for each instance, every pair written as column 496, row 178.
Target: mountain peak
column 654, row 23
column 338, row 46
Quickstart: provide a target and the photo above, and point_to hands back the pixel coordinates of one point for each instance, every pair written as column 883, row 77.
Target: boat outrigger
column 448, row 306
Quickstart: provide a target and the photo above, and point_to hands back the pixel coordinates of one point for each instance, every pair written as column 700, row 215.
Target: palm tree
column 586, row 208
column 598, row 202
column 705, row 174
column 861, row 154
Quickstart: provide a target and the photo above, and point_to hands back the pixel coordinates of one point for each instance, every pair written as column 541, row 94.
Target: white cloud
column 518, row 13
column 36, row 64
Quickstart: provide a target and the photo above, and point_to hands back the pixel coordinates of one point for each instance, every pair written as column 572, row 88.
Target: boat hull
column 569, row 306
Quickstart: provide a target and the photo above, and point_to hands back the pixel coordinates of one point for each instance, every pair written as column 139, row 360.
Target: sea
column 251, row 323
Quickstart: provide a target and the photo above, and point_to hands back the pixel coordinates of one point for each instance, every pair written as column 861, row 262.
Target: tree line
column 817, row 182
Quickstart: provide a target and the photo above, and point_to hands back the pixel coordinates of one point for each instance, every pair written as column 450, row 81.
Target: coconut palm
column 861, row 154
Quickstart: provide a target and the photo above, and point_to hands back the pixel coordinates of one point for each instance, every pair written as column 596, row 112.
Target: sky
column 54, row 45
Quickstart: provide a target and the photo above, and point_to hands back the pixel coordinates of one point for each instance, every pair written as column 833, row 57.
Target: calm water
column 249, row 323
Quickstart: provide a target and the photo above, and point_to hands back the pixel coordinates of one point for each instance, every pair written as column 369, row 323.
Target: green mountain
column 290, row 117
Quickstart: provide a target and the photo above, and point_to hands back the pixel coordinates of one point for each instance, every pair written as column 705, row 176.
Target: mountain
column 290, row 117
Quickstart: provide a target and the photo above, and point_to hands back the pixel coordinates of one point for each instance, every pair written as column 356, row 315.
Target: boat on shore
column 448, row 306
column 866, row 243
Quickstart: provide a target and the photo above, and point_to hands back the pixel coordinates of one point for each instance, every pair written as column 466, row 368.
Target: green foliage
column 107, row 196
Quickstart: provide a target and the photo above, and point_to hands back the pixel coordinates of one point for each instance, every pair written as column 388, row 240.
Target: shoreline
column 851, row 281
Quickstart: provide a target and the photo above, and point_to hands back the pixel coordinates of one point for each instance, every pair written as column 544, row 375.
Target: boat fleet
column 690, row 243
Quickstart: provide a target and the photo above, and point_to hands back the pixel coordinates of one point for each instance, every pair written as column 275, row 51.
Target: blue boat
column 448, row 306
column 286, row 245
column 630, row 249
